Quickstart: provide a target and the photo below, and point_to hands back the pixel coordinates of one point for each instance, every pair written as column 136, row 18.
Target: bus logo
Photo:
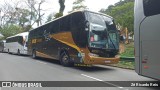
column 46, row 35
column 6, row 84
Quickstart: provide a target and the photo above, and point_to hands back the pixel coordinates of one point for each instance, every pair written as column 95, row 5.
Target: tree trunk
column 62, row 6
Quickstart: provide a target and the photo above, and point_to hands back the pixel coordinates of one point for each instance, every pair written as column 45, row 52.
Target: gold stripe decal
column 40, row 54
column 66, row 38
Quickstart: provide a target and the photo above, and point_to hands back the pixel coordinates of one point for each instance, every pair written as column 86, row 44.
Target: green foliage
column 50, row 17
column 10, row 30
column 129, row 52
column 57, row 15
column 125, row 64
column 78, row 4
column 22, row 16
column 122, row 12
column 27, row 28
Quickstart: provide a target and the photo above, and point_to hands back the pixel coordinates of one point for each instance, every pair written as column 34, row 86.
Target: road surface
column 24, row 68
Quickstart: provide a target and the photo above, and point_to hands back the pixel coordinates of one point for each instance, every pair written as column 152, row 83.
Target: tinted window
column 54, row 26
column 78, row 29
column 18, row 39
column 151, row 7
column 40, row 31
column 77, row 20
column 96, row 19
column 65, row 23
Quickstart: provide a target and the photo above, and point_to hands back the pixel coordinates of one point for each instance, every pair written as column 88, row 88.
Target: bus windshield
column 103, row 33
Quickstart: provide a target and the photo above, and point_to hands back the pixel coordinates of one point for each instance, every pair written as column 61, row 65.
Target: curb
column 121, row 67
column 127, row 59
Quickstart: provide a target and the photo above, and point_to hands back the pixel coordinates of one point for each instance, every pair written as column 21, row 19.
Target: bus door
column 26, row 43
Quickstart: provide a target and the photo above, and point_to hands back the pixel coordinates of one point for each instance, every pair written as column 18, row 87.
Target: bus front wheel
column 65, row 59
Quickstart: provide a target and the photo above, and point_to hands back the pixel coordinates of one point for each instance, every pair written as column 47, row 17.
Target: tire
column 34, row 54
column 18, row 52
column 8, row 51
column 65, row 59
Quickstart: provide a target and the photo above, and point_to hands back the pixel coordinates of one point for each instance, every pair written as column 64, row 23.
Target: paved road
column 24, row 68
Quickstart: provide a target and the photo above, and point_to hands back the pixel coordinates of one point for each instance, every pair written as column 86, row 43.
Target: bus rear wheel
column 34, row 54
column 8, row 51
column 65, row 59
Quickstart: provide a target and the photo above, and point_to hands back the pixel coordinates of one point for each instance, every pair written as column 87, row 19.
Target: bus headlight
column 81, row 54
column 117, row 56
column 93, row 55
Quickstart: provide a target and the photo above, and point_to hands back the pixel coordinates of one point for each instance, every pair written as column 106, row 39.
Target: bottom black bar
column 79, row 84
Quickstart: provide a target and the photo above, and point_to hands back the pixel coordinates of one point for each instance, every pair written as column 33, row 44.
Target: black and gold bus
column 79, row 38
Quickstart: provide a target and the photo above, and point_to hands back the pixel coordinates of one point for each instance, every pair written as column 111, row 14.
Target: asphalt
column 24, row 68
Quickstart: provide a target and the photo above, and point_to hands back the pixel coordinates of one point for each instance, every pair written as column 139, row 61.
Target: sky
column 52, row 6
column 93, row 5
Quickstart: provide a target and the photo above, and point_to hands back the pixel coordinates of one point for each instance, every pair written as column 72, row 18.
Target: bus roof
column 20, row 34
column 72, row 13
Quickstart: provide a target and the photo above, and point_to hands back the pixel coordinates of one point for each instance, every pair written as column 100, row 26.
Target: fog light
column 81, row 54
column 117, row 56
column 93, row 55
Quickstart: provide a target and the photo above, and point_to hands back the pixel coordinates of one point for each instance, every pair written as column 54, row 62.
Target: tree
column 50, row 17
column 12, row 13
column 78, row 4
column 35, row 11
column 22, row 16
column 62, row 6
column 15, row 17
column 8, row 13
column 122, row 12
column 61, row 9
column 10, row 30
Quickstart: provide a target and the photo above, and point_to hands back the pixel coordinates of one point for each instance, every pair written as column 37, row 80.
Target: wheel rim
column 18, row 52
column 65, row 59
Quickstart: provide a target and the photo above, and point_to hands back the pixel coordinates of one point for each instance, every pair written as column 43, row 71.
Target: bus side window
column 78, row 29
column 151, row 7
column 40, row 32
column 65, row 23
column 78, row 20
column 54, row 27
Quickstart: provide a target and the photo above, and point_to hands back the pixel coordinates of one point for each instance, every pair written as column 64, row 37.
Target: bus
column 147, row 38
column 2, row 46
column 17, row 44
column 79, row 38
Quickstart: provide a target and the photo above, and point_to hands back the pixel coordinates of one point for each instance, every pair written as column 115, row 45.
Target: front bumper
column 101, row 60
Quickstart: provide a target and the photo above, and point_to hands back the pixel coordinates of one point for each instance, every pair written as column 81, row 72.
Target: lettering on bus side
column 46, row 35
column 36, row 41
column 33, row 41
